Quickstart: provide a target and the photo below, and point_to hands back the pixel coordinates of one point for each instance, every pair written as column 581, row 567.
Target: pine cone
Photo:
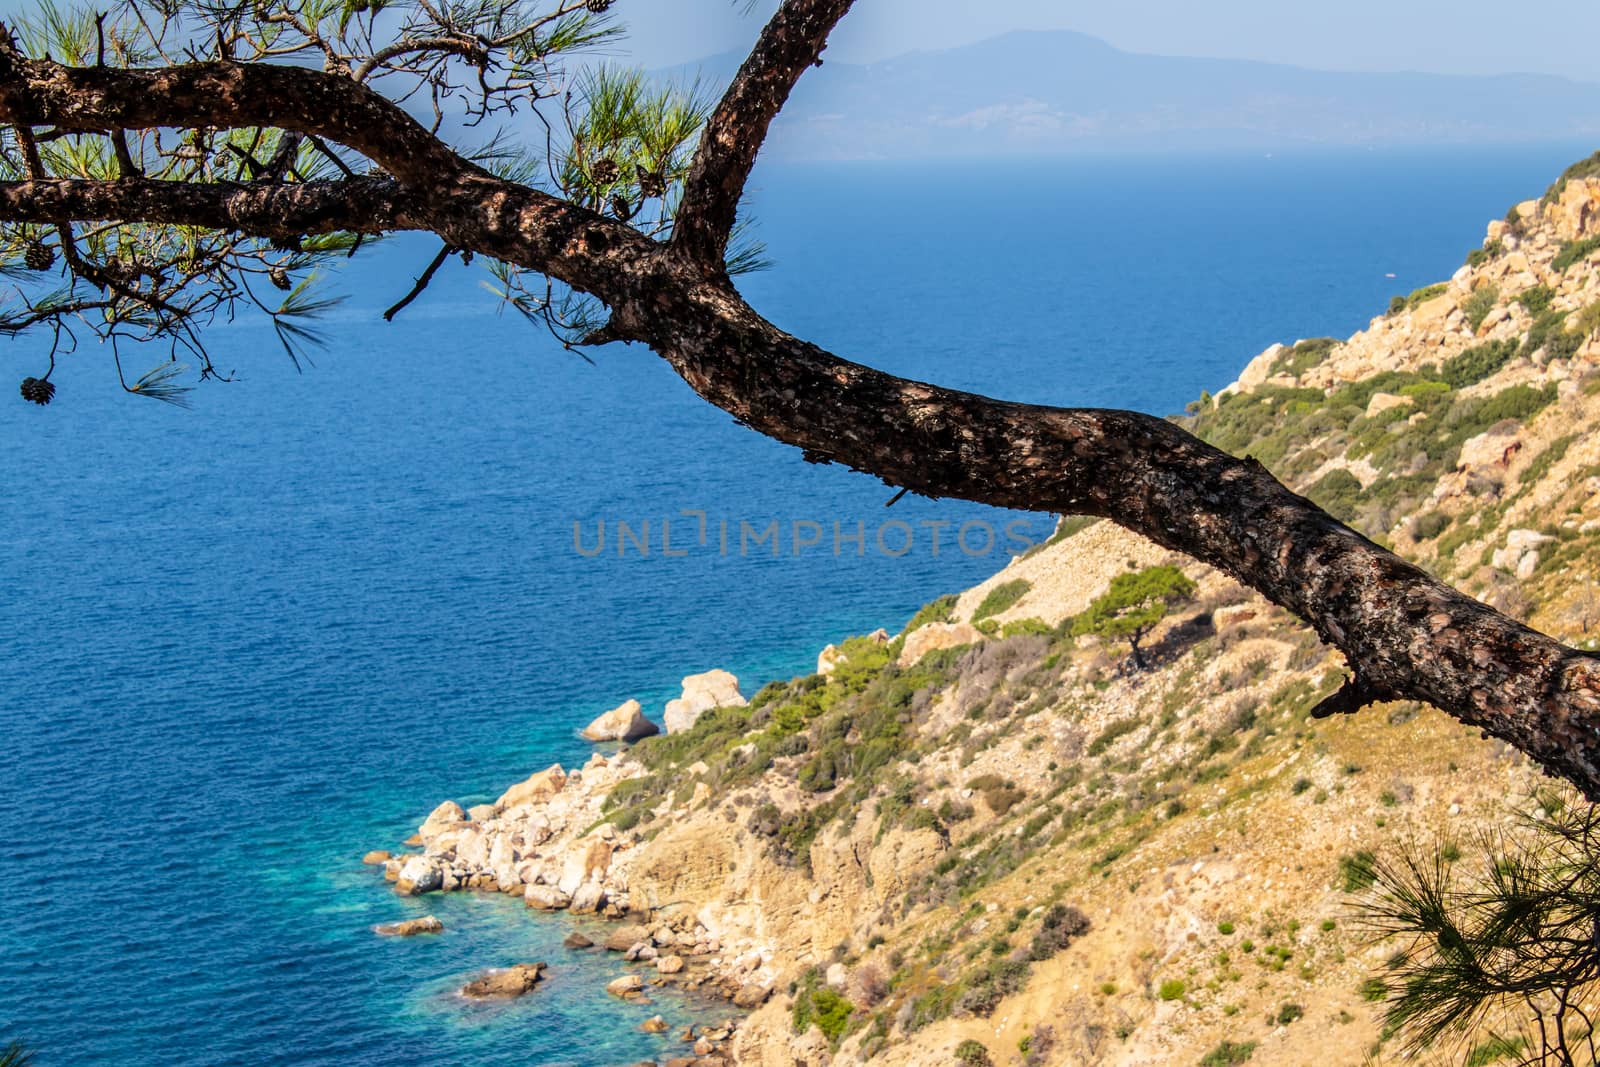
column 598, row 7
column 651, row 184
column 39, row 257
column 280, row 278
column 606, row 171
column 38, row 390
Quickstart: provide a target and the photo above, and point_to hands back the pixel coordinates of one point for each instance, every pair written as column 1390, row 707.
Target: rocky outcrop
column 934, row 636
column 625, row 722
column 626, row 986
column 545, row 898
column 701, row 693
column 428, row 924
column 536, row 789
column 511, row 982
column 447, row 816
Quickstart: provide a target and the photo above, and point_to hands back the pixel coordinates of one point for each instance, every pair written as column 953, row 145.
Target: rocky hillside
column 986, row 839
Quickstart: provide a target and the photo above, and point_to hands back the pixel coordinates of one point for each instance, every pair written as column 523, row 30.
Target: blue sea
column 244, row 643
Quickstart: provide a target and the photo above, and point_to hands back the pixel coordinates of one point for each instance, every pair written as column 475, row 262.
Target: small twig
column 422, row 283
column 125, row 164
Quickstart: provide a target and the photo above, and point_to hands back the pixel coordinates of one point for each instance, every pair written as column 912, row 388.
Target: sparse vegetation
column 1001, row 597
column 940, row 610
column 1583, row 168
column 1416, row 298
column 1059, row 927
column 1574, row 251
column 1477, row 363
column 1229, row 1054
column 1476, row 307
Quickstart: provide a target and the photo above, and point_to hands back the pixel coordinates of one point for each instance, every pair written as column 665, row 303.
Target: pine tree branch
column 40, row 92
column 363, row 205
column 791, row 41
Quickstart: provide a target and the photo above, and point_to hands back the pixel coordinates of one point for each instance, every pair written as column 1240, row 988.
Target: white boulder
column 701, row 693
column 625, row 722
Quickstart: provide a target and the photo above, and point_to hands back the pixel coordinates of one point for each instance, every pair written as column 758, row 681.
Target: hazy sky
column 1458, row 37
column 1449, row 36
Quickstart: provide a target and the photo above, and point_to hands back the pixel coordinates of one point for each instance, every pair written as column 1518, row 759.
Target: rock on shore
column 512, row 982
column 428, row 924
column 625, row 722
column 701, row 693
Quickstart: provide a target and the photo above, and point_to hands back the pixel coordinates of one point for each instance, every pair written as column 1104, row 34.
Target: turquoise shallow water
column 245, row 643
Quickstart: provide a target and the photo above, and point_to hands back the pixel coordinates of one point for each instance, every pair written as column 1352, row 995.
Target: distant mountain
column 1057, row 91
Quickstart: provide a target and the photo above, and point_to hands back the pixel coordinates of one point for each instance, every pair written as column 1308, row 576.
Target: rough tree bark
column 1405, row 634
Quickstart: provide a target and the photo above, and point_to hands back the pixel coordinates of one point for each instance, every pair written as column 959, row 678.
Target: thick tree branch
column 792, row 41
column 38, row 92
column 1405, row 634
column 468, row 207
column 363, row 205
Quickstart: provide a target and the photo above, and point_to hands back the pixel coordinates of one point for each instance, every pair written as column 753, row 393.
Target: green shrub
column 1574, row 251
column 1520, row 402
column 1476, row 307
column 1537, row 299
column 1374, row 990
column 1303, row 356
column 1477, row 363
column 971, row 1053
column 1001, row 597
column 1338, row 493
column 1229, row 1054
column 940, row 610
column 816, row 1002
column 1431, row 524
column 1225, row 928
column 1583, row 168
column 1417, row 297
column 1027, row 627
column 932, row 1006
column 1479, row 256
column 1357, row 871
column 1289, row 1013
column 954, row 811
column 1172, row 989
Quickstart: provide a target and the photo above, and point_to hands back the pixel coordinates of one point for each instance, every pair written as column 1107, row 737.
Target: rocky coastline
column 546, row 839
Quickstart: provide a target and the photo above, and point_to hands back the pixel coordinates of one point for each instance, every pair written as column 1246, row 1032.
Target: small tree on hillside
column 1133, row 606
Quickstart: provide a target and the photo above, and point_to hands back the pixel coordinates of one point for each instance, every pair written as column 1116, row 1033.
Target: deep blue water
column 243, row 644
